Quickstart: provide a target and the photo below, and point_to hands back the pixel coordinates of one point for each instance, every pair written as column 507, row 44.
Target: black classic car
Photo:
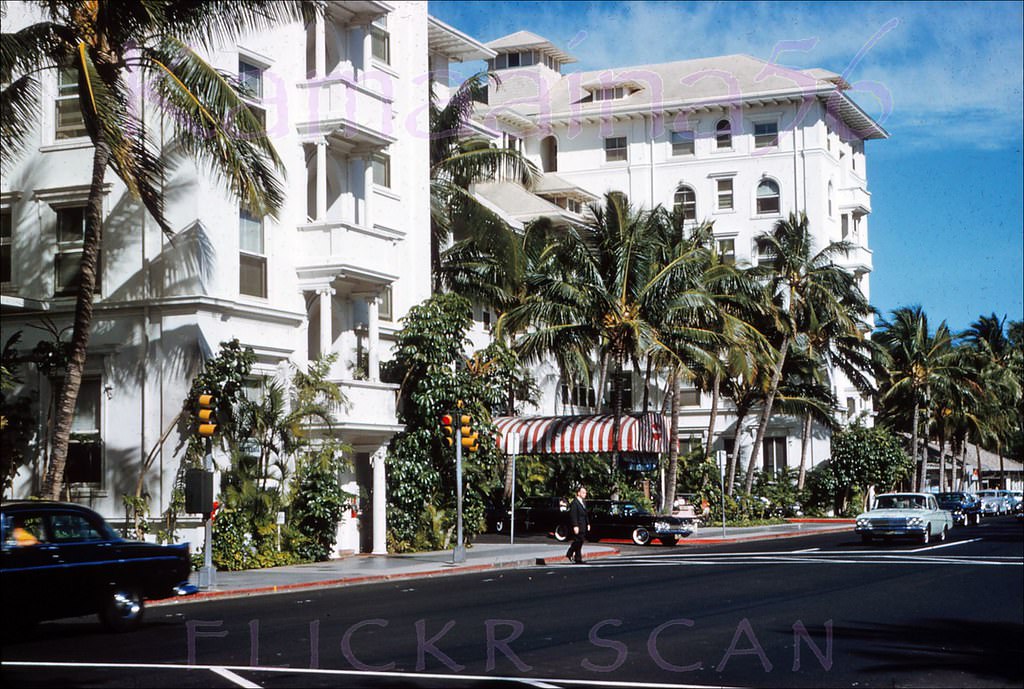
column 63, row 560
column 965, row 508
column 540, row 514
column 623, row 519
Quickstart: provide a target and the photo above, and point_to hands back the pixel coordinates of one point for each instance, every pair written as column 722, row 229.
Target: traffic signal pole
column 208, row 573
column 460, row 549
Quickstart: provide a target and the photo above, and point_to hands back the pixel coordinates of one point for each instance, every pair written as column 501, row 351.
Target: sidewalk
column 364, row 569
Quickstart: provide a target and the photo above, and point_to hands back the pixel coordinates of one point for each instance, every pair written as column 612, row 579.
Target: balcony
column 356, row 117
column 855, row 199
column 857, row 261
column 346, row 249
column 370, row 409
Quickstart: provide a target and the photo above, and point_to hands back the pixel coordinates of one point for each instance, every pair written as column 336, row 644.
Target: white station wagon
column 904, row 515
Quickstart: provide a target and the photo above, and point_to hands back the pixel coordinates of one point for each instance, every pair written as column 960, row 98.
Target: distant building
column 730, row 139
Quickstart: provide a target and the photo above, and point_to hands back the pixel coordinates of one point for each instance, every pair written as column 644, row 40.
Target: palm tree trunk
column 734, row 461
column 914, row 451
column 766, row 413
column 647, row 385
column 82, row 324
column 804, row 444
column 977, row 450
column 601, row 379
column 942, row 461
column 1002, row 467
column 617, row 418
column 673, row 450
column 715, row 391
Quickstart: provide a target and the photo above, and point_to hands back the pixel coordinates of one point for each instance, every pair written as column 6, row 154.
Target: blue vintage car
column 63, row 560
column 904, row 515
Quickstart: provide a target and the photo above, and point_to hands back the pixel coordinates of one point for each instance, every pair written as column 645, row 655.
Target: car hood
column 892, row 514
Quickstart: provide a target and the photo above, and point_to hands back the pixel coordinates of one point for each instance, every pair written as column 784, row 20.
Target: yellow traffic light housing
column 447, row 429
column 207, row 419
column 469, row 436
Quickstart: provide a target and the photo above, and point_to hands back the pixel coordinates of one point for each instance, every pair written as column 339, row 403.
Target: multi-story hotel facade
column 731, row 139
column 344, row 101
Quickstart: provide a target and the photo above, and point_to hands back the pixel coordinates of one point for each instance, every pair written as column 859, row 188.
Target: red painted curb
column 821, row 520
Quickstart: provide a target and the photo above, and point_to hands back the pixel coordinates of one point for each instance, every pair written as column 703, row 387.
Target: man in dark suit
column 580, row 525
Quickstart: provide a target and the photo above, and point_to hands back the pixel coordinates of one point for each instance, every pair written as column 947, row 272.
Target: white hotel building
column 345, row 102
column 732, row 139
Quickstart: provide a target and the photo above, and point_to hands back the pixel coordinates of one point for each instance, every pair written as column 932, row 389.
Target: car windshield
column 901, row 502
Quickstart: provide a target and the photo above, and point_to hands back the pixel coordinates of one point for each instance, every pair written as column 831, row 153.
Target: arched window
column 685, row 202
column 549, row 154
column 723, row 134
column 767, row 197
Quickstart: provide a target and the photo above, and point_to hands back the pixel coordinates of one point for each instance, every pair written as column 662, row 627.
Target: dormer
column 599, row 90
column 526, row 55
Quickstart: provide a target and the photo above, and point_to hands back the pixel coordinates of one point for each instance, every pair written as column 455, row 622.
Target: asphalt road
column 817, row 611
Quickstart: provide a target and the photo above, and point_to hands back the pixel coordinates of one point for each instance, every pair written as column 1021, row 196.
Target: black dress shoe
column 579, row 561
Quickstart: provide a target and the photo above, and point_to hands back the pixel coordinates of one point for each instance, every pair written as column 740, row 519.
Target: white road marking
column 942, row 545
column 232, row 677
column 529, row 681
column 809, row 550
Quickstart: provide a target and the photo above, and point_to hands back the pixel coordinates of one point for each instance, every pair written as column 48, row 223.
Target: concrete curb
column 762, row 537
column 367, row 579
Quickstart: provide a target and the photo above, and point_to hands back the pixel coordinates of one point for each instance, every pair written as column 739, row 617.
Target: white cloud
column 952, row 71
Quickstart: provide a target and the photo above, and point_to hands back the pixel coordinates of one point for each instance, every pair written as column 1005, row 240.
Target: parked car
column 965, row 508
column 539, row 514
column 63, row 560
column 904, row 515
column 1016, row 499
column 624, row 519
column 994, row 501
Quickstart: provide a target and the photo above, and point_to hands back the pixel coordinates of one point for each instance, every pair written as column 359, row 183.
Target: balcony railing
column 370, row 405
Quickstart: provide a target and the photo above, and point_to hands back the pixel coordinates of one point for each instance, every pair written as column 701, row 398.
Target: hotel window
column 682, row 143
column 766, row 134
column 851, row 407
column 614, row 149
column 6, row 248
column 830, row 195
column 774, row 455
column 845, row 224
column 384, row 308
column 578, row 395
column 70, row 123
column 382, row 170
column 611, row 93
column 250, row 76
column 625, row 383
column 723, row 135
column 724, row 187
column 689, row 397
column 685, row 203
column 252, row 259
column 84, row 463
column 70, row 242
column 727, row 250
column 765, row 253
column 380, row 40
column 767, row 197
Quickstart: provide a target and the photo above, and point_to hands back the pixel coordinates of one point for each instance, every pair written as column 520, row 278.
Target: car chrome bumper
column 185, row 589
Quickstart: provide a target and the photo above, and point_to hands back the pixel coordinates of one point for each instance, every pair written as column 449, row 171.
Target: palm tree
column 806, row 287
column 922, row 363
column 104, row 45
column 598, row 289
column 486, row 260
column 999, row 366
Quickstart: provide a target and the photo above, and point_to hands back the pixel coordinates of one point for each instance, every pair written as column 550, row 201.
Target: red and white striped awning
column 581, row 434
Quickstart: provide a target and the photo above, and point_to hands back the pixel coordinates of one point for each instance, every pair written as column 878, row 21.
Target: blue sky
column 945, row 79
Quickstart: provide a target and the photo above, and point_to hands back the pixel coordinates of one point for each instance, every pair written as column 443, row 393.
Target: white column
column 321, row 180
column 358, row 169
column 373, row 337
column 380, row 526
column 367, row 48
column 325, row 319
column 320, row 47
column 367, row 218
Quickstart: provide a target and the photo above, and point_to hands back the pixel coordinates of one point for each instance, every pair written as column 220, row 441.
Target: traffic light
column 207, row 420
column 469, row 436
column 447, row 430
